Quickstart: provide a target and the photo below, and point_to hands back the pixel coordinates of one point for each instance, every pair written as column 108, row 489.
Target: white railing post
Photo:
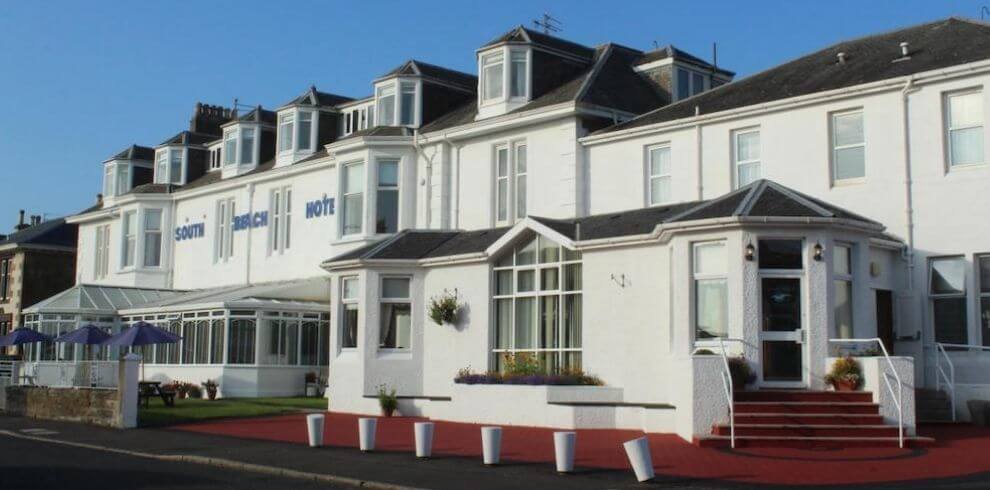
column 729, row 389
column 950, row 377
column 886, row 379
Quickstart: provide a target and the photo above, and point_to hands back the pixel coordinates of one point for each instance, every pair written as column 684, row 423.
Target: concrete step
column 808, row 419
column 811, row 442
column 813, row 431
column 802, row 396
column 807, row 408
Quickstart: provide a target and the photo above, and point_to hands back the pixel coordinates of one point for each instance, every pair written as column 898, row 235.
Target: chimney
column 20, row 222
column 841, row 55
column 904, row 50
column 208, row 118
column 35, row 220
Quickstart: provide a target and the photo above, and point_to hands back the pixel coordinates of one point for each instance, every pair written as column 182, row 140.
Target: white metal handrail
column 950, row 377
column 728, row 387
column 899, row 396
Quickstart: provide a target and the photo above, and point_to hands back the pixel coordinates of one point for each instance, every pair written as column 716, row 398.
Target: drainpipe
column 908, row 183
column 698, row 141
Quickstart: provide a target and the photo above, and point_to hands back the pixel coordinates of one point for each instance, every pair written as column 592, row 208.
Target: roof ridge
column 592, row 74
column 801, row 199
column 755, row 191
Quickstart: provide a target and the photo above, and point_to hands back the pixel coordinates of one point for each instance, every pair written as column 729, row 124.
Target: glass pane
column 503, row 282
column 711, row 308
column 781, row 304
column 521, row 159
column 698, row 83
column 247, row 145
column 985, row 320
column 502, row 159
column 525, row 321
column 503, row 200
column 781, row 361
column 505, row 261
column 683, row 84
column 572, row 277
column 710, row 258
column 285, row 130
column 841, row 260
column 660, row 191
column 503, row 323
column 966, row 146
column 305, row 130
column 748, row 174
column 850, row 163
column 388, row 173
column 748, row 146
column 526, row 280
column 353, row 178
column 950, row 320
column 966, row 109
column 572, row 321
column 353, row 213
column 549, row 251
column 350, row 327
column 408, row 101
column 984, row 274
column 395, row 287
column 175, row 166
column 493, row 81
column 570, row 255
column 948, row 276
column 780, row 254
column 350, row 288
column 843, row 309
column 518, row 83
column 395, row 328
column 526, row 254
column 521, row 196
column 548, row 279
column 387, row 219
column 548, row 322
column 848, row 128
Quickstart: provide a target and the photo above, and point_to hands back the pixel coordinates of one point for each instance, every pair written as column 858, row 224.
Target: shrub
column 740, row 372
column 387, row 399
column 443, row 308
column 522, row 364
column 845, row 369
column 194, row 391
column 567, row 377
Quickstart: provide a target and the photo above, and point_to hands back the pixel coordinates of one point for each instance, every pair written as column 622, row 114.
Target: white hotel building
column 602, row 207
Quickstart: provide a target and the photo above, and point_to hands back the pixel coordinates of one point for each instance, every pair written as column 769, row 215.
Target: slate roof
column 520, row 35
column 671, row 51
column 934, row 45
column 608, row 81
column 378, row 131
column 315, row 98
column 760, row 199
column 257, row 115
column 134, row 152
column 188, row 138
column 427, row 70
column 55, row 232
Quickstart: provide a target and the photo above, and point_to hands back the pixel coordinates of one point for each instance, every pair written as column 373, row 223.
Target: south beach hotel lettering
column 314, row 209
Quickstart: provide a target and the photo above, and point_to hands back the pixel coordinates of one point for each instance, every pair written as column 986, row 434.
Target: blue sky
column 82, row 80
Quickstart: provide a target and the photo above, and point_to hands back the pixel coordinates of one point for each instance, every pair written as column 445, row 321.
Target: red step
column 807, row 419
column 811, row 442
column 852, row 431
column 803, row 396
column 807, row 408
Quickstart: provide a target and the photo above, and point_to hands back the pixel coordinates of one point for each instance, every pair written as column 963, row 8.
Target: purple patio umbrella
column 88, row 335
column 23, row 335
column 142, row 333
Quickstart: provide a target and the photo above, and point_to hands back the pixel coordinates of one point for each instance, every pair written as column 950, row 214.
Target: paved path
column 400, row 468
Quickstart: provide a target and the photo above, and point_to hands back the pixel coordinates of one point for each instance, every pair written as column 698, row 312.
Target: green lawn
column 188, row 410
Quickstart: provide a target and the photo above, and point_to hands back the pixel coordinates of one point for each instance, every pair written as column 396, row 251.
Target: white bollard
column 314, row 425
column 424, row 439
column 563, row 449
column 638, row 452
column 491, row 444
column 366, row 433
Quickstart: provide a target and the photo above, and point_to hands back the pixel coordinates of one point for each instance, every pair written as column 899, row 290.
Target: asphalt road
column 33, row 465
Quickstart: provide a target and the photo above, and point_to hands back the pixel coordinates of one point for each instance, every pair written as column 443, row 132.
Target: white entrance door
column 782, row 324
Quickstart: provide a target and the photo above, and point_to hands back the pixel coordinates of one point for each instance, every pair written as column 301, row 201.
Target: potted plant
column 211, row 389
column 180, row 389
column 740, row 371
column 312, row 386
column 387, row 400
column 194, row 391
column 443, row 308
column 845, row 375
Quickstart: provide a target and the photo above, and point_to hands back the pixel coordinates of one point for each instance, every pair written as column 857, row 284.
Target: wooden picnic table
column 150, row 389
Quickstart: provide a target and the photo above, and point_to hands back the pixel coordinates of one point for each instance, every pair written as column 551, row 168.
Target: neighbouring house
column 599, row 208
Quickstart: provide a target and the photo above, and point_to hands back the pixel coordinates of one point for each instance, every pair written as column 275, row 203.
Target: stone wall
column 87, row 405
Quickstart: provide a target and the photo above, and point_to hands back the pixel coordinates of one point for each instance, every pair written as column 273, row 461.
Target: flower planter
column 366, row 433
column 314, row 426
column 563, row 448
column 388, row 412
column 491, row 444
column 423, row 432
column 844, row 385
column 638, row 452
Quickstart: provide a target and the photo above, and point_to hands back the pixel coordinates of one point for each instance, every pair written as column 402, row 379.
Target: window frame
column 485, row 63
column 101, row 255
column 692, row 75
column 835, row 148
column 280, row 230
column 287, row 132
column 5, row 264
column 223, row 244
column 168, row 178
column 511, row 181
column 146, row 232
column 932, row 297
column 650, row 176
column 346, row 303
column 983, row 335
column 343, row 181
column 947, row 127
column 850, row 279
column 397, row 189
column 128, row 235
column 737, row 163
column 397, row 300
column 698, row 277
column 380, row 95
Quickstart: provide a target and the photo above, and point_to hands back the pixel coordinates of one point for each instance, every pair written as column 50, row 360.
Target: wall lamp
column 818, row 252
column 750, row 252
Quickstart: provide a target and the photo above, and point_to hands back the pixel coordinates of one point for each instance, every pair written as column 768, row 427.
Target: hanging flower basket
column 444, row 307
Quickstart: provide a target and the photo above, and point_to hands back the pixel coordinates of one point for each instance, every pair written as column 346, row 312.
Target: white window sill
column 395, row 354
column 347, row 354
column 849, row 182
column 967, row 166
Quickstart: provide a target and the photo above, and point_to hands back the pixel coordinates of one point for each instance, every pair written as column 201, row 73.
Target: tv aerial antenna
column 548, row 24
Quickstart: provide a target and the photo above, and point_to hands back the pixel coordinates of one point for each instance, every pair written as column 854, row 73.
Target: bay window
column 537, row 305
column 386, row 105
column 711, row 298
column 842, row 272
column 129, row 234
column 350, row 309
column 848, row 146
column 947, row 293
column 983, row 262
column 286, row 128
column 659, row 178
column 353, row 190
column 387, row 198
column 964, row 128
column 168, row 166
column 281, row 228
column 396, row 318
column 153, row 238
column 746, row 156
column 491, row 75
column 239, row 145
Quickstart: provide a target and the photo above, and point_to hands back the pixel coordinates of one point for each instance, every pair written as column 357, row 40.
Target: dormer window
column 168, row 166
column 116, row 179
column 400, row 109
column 492, row 73
column 505, row 83
column 295, row 131
column 239, row 146
column 386, row 105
